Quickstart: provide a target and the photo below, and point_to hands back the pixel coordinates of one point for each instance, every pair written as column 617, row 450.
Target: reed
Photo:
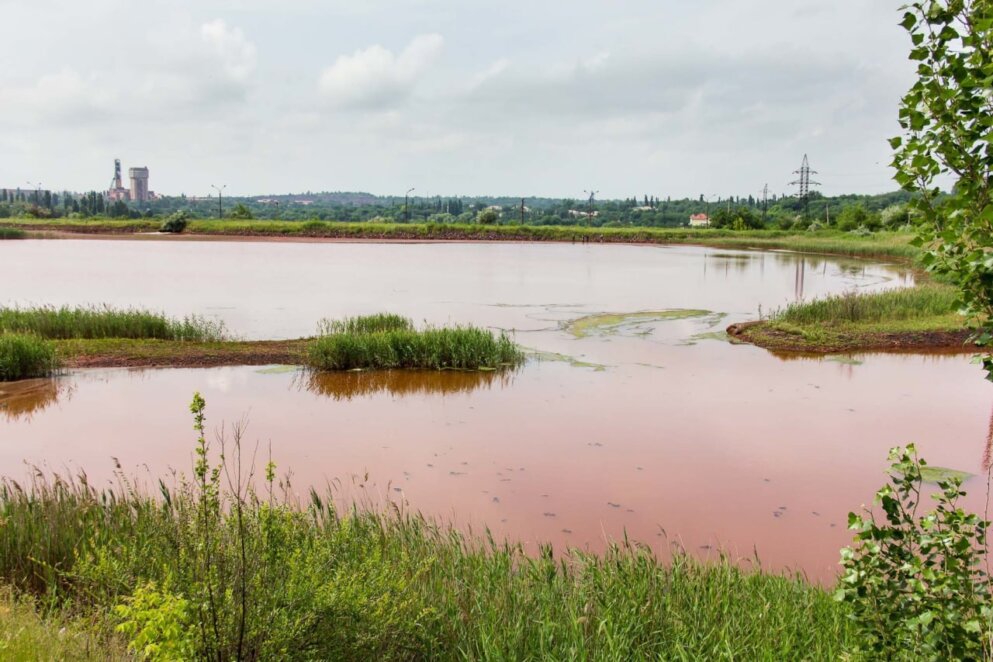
column 927, row 300
column 25, row 356
column 365, row 324
column 12, row 233
column 90, row 322
column 382, row 342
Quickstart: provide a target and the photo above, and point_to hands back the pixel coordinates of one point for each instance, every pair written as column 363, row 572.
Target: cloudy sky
column 664, row 97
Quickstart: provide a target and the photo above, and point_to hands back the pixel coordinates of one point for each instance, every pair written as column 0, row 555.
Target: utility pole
column 37, row 192
column 804, row 183
column 589, row 214
column 220, row 199
column 765, row 202
column 406, row 205
column 522, row 211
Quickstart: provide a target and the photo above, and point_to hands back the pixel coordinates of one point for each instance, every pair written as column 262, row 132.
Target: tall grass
column 383, row 342
column 222, row 571
column 105, row 322
column 365, row 324
column 922, row 301
column 24, row 356
column 12, row 233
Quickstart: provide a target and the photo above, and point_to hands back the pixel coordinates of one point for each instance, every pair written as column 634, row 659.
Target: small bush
column 25, row 356
column 916, row 584
column 175, row 223
column 12, row 233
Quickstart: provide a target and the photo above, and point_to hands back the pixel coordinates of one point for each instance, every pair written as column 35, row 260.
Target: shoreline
column 852, row 340
column 884, row 246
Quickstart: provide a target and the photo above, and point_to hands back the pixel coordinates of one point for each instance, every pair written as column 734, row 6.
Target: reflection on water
column 22, row 399
column 353, row 384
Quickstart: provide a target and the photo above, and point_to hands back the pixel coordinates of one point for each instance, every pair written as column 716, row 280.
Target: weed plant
column 25, row 356
column 89, row 322
column 12, row 233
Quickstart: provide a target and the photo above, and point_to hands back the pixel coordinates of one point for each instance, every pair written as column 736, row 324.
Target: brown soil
column 780, row 342
column 152, row 354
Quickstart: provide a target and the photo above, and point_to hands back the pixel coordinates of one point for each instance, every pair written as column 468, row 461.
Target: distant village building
column 699, row 221
column 578, row 212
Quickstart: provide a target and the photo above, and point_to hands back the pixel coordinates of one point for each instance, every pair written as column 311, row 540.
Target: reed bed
column 365, row 324
column 25, row 356
column 383, row 342
column 927, row 300
column 90, row 322
column 210, row 568
column 12, row 233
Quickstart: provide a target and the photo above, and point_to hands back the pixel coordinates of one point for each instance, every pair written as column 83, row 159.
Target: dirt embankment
column 173, row 354
column 766, row 335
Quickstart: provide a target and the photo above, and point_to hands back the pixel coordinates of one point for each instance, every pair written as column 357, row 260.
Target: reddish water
column 719, row 446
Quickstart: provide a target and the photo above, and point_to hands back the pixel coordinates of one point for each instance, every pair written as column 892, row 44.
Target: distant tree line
column 849, row 212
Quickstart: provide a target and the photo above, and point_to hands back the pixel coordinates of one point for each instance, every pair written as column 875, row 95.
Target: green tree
column 947, row 117
column 241, row 211
column 488, row 217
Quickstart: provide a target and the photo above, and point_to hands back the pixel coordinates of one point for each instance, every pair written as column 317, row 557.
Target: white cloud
column 489, row 72
column 236, row 53
column 376, row 78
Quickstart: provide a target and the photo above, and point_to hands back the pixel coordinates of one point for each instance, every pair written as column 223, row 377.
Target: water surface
column 646, row 425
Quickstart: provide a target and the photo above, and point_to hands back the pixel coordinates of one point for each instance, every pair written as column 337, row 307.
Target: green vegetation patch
column 25, row 356
column 106, row 322
column 12, row 233
column 542, row 355
column 932, row 474
column 928, row 300
column 382, row 342
column 603, row 324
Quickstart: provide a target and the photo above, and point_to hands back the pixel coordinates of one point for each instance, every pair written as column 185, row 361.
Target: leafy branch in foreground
column 947, row 117
column 916, row 585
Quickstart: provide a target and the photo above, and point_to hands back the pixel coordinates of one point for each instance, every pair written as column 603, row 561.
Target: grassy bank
column 213, row 569
column 880, row 245
column 385, row 341
column 106, row 322
column 922, row 317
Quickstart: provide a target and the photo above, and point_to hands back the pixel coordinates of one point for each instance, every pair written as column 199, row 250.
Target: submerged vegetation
column 388, row 341
column 25, row 356
column 611, row 323
column 92, row 322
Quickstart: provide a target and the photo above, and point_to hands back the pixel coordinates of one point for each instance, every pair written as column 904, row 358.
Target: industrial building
column 138, row 192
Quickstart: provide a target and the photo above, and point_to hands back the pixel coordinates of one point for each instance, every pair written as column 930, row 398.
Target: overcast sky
column 631, row 97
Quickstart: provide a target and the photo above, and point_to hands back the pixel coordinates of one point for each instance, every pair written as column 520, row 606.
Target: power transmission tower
column 804, row 183
column 765, row 202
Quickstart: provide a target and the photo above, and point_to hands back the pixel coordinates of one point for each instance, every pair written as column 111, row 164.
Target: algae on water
column 603, row 324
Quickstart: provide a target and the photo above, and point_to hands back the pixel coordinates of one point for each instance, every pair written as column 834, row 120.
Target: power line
column 804, row 183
